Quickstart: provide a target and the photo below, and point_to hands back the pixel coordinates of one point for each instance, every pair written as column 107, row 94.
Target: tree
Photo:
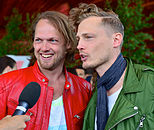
column 131, row 14
column 16, row 39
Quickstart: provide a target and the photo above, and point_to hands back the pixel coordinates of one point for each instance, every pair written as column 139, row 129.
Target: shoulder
column 140, row 69
column 143, row 70
column 13, row 77
column 15, row 73
column 141, row 73
column 79, row 81
column 145, row 75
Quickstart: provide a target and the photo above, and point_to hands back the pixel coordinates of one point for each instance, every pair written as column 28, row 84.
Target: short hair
column 109, row 18
column 60, row 22
column 6, row 61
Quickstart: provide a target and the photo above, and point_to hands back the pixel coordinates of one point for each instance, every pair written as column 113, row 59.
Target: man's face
column 94, row 43
column 49, row 45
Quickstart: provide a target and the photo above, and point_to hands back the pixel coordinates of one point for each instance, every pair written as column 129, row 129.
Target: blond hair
column 60, row 22
column 109, row 18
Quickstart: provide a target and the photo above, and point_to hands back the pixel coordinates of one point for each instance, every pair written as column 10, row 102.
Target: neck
column 117, row 86
column 56, row 79
column 101, row 69
column 54, row 75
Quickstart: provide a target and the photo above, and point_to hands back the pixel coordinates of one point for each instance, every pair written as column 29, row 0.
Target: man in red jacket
column 64, row 96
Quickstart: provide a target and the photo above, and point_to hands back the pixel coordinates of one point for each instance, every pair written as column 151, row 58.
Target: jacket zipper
column 44, row 105
column 123, row 119
column 141, row 122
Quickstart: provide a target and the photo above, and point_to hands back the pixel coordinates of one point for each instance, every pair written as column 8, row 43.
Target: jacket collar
column 131, row 82
column 67, row 79
column 43, row 78
column 39, row 74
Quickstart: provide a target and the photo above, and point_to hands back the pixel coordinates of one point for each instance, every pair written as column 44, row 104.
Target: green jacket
column 134, row 108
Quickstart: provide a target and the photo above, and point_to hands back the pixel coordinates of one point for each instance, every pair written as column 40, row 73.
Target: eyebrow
column 48, row 39
column 84, row 34
column 37, row 38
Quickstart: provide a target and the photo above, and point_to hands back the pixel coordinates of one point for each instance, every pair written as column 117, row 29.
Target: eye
column 37, row 40
column 53, row 40
column 88, row 36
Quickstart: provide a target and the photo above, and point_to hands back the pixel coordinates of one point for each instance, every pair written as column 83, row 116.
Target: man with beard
column 123, row 98
column 64, row 96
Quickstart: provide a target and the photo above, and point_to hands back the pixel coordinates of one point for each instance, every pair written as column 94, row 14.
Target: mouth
column 46, row 56
column 83, row 57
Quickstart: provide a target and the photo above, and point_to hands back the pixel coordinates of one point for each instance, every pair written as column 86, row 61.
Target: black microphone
column 28, row 98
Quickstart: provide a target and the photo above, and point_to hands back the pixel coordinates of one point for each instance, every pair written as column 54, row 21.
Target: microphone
column 28, row 98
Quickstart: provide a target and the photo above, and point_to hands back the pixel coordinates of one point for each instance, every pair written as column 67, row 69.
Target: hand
column 14, row 122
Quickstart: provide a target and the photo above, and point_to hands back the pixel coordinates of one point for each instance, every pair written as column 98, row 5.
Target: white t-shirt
column 57, row 115
column 112, row 99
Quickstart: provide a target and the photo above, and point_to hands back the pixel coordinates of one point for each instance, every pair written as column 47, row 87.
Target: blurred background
column 136, row 15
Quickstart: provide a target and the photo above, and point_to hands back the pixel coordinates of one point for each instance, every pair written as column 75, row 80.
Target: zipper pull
column 30, row 113
column 141, row 122
column 78, row 117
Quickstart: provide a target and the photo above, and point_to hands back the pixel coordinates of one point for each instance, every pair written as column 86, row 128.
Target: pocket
column 78, row 117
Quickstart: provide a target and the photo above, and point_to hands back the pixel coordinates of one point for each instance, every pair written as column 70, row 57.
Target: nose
column 45, row 46
column 80, row 45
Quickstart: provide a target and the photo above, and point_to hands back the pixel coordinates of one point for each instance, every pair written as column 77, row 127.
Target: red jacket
column 76, row 95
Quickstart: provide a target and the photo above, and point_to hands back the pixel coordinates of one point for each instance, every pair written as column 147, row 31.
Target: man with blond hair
column 123, row 98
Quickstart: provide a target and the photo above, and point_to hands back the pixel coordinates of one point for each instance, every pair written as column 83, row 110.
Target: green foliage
column 131, row 14
column 15, row 41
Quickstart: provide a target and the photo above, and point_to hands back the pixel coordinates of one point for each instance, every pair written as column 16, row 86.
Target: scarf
column 104, row 83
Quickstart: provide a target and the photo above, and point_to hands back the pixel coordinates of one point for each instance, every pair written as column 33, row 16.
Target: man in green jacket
column 124, row 96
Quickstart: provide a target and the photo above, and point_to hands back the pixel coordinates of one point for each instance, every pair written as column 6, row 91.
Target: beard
column 95, row 62
column 88, row 66
column 51, row 65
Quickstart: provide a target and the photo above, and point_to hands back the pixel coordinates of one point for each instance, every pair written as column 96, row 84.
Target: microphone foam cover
column 30, row 94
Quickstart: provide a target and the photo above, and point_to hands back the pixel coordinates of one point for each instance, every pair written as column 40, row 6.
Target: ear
column 33, row 44
column 117, row 39
column 68, row 46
